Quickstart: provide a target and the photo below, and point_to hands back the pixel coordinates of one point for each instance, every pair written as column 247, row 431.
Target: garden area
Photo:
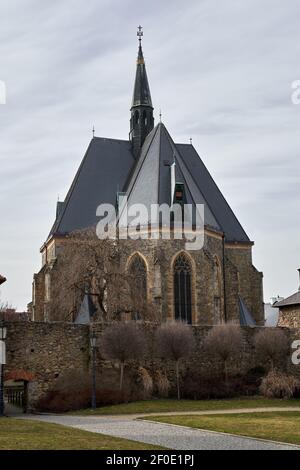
column 173, row 370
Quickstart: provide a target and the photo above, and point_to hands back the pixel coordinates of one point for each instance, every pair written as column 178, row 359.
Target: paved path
column 166, row 435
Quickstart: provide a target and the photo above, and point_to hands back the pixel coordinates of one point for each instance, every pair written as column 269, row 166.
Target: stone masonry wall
column 208, row 299
column 289, row 316
column 46, row 351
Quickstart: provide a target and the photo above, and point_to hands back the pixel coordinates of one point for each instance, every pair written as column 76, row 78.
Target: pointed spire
column 142, row 121
column 141, row 92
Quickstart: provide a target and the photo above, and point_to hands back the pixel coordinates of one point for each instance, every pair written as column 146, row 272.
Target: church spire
column 142, row 121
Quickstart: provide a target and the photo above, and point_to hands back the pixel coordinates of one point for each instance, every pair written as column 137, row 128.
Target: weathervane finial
column 93, row 131
column 140, row 33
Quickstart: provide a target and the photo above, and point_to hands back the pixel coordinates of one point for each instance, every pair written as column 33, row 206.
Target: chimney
column 299, row 279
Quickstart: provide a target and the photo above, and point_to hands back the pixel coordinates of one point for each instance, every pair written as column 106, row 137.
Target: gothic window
column 47, row 287
column 217, row 292
column 145, row 118
column 136, row 117
column 138, row 284
column 182, row 273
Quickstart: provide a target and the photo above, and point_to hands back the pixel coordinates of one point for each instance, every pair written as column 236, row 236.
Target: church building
column 211, row 285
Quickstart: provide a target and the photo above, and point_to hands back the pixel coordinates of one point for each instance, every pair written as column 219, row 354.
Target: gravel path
column 166, row 435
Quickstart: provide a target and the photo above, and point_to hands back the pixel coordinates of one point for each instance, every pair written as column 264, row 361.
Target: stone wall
column 47, row 351
column 289, row 316
column 212, row 301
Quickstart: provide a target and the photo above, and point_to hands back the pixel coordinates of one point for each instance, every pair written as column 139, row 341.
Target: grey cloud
column 220, row 71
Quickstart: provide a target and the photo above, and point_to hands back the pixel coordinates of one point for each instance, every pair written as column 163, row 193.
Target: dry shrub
column 279, row 385
column 161, row 383
column 225, row 343
column 123, row 342
column 72, row 391
column 271, row 346
column 175, row 341
column 145, row 382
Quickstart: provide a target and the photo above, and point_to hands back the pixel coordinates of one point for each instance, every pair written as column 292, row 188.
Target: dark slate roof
column 246, row 318
column 150, row 182
column 109, row 167
column 141, row 92
column 292, row 300
column 101, row 175
column 216, row 201
column 86, row 312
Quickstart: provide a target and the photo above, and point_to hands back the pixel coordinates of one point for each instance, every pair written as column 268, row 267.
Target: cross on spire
column 140, row 33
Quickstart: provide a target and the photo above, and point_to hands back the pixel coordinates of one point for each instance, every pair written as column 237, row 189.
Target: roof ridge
column 111, row 138
column 139, row 162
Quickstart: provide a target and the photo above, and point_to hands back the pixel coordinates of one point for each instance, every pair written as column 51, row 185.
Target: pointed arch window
column 182, row 273
column 217, row 291
column 145, row 118
column 138, row 284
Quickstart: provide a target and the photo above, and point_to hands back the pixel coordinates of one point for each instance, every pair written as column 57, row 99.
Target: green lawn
column 157, row 406
column 278, row 426
column 32, row 435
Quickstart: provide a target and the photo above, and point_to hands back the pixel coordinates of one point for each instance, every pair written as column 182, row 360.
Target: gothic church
column 212, row 285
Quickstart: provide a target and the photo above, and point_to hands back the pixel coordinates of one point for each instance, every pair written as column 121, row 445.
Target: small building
column 289, row 310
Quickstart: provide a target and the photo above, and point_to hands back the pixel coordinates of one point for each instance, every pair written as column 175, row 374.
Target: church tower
column 142, row 121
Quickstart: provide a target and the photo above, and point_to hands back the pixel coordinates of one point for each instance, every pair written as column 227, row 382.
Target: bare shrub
column 174, row 341
column 123, row 342
column 271, row 347
column 161, row 383
column 201, row 384
column 279, row 385
column 224, row 342
column 145, row 382
column 72, row 391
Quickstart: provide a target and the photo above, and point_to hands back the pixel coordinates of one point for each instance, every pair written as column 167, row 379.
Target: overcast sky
column 221, row 71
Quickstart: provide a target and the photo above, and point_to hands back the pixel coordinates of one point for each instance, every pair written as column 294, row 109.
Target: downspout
column 224, row 279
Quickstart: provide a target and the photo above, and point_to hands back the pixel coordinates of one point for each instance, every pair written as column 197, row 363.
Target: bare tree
column 123, row 342
column 271, row 346
column 174, row 341
column 87, row 265
column 224, row 342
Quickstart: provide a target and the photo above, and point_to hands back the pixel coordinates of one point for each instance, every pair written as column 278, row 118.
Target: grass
column 277, row 426
column 165, row 405
column 32, row 435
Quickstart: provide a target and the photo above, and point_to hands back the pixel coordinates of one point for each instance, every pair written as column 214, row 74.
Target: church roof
column 148, row 168
column 109, row 167
column 246, row 318
column 150, row 182
column 289, row 301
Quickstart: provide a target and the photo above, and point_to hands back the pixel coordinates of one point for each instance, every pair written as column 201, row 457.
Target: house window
column 182, row 289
